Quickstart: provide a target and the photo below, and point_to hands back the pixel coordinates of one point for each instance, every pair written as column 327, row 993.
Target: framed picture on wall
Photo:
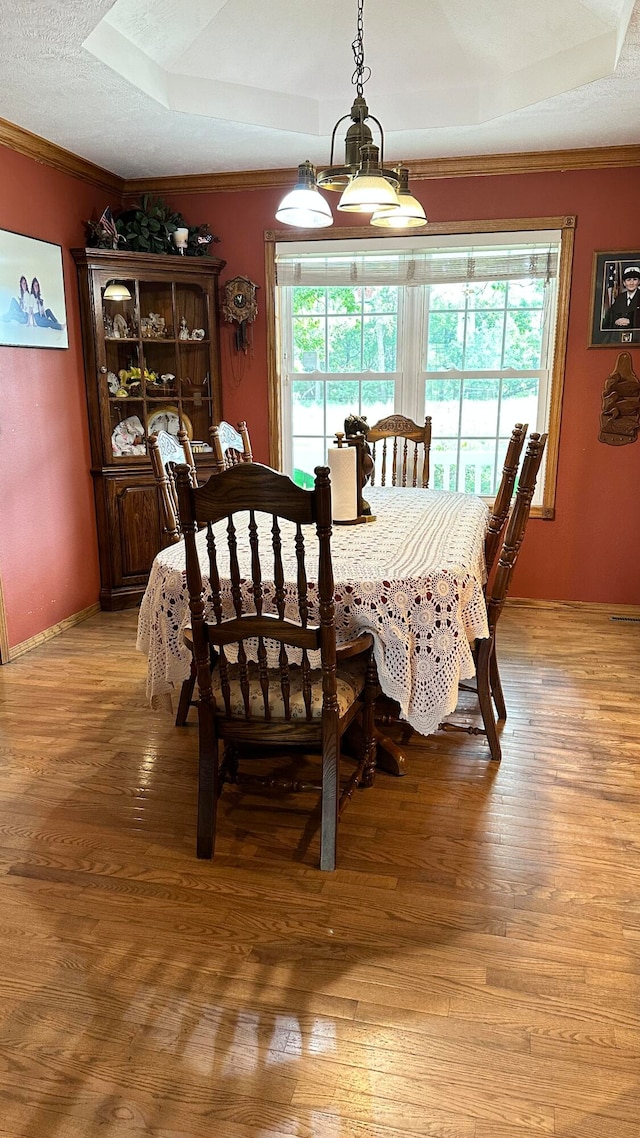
column 615, row 299
column 32, row 306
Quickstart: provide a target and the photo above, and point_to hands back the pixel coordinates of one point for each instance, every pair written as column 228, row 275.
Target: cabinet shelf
column 164, row 293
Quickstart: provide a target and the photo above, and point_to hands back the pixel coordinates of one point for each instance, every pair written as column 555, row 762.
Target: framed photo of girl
column 615, row 299
column 32, row 305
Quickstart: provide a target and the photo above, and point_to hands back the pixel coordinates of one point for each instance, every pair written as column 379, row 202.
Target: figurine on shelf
column 184, row 331
column 197, row 334
column 120, row 327
column 153, row 326
column 108, row 325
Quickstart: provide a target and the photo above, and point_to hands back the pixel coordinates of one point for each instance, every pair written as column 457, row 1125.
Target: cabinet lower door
column 132, row 535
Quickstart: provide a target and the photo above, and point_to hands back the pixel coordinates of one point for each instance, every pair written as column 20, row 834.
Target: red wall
column 48, row 550
column 48, row 545
column 591, row 551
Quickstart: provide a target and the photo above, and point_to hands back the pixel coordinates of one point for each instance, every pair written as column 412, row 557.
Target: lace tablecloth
column 413, row 578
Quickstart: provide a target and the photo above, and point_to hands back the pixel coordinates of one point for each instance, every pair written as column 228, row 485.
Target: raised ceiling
column 168, row 87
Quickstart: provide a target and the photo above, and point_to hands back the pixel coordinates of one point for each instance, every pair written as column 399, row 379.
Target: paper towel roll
column 344, row 491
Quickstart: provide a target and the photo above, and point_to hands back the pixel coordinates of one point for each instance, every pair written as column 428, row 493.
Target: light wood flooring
column 472, row 970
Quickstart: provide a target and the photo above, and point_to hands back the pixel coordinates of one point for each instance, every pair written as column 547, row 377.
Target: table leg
column 389, row 757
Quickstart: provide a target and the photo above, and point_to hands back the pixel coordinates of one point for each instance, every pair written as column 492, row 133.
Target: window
column 469, row 330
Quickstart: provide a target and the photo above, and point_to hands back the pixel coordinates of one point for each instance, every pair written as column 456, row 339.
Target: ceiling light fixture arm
column 365, row 186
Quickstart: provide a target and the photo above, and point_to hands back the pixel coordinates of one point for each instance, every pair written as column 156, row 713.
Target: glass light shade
column 409, row 214
column 367, row 193
column 304, row 205
column 116, row 291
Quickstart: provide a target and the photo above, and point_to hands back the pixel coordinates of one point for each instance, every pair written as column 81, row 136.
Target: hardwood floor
column 472, row 970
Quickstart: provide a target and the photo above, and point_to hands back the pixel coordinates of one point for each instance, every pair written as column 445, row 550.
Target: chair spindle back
column 237, row 496
column 230, row 446
column 502, row 502
column 166, row 452
column 497, row 593
column 400, row 449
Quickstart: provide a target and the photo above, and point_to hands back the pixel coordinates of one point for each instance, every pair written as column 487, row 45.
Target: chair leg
column 207, row 779
column 496, row 685
column 368, row 723
column 483, row 665
column 186, row 696
column 330, row 796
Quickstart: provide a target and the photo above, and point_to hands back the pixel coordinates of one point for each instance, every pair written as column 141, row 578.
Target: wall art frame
column 615, row 308
column 33, row 310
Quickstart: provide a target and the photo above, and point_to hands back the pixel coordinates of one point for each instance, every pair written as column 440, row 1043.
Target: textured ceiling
column 166, row 87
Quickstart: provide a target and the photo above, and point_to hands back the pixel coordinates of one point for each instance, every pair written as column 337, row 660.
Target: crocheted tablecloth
column 413, row 577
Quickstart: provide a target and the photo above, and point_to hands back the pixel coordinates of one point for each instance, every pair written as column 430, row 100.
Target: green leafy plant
column 148, row 228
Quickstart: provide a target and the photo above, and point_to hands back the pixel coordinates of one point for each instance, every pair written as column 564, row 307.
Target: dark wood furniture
column 403, row 456
column 620, row 415
column 488, row 683
column 151, row 363
column 230, row 446
column 292, row 704
column 500, row 509
column 166, row 452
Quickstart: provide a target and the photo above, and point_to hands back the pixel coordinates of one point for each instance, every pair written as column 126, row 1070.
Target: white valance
column 418, row 267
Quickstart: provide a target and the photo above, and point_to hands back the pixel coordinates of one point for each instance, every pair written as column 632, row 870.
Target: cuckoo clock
column 240, row 306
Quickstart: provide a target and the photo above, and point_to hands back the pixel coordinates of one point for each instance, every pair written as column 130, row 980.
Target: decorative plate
column 127, row 437
column 168, row 419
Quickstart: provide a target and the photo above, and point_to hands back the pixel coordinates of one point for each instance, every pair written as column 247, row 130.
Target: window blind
column 415, row 267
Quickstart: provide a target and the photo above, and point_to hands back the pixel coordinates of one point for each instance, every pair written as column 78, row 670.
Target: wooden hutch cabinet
column 151, row 350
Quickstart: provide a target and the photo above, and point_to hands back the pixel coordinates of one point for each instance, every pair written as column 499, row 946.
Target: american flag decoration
column 612, row 284
column 108, row 226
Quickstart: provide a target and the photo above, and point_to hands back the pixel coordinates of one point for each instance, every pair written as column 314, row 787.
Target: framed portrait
column 32, row 306
column 615, row 299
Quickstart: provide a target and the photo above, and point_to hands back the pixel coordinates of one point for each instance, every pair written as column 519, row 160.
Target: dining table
column 413, row 577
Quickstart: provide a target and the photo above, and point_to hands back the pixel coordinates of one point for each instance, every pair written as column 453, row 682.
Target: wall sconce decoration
column 620, row 417
column 241, row 307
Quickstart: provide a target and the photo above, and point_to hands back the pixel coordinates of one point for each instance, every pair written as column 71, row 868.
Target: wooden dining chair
column 280, row 698
column 488, row 684
column 230, row 446
column 500, row 509
column 400, row 450
column 165, row 452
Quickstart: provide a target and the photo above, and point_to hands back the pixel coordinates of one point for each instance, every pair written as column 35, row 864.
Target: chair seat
column 350, row 679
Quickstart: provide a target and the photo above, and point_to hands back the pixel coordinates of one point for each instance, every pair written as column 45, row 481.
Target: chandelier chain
column 361, row 73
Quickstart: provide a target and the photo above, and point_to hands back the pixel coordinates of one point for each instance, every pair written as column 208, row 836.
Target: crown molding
column 532, row 162
column 31, row 145
column 209, row 183
column 471, row 166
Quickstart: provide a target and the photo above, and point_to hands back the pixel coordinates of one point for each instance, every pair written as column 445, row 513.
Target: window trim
column 565, row 224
